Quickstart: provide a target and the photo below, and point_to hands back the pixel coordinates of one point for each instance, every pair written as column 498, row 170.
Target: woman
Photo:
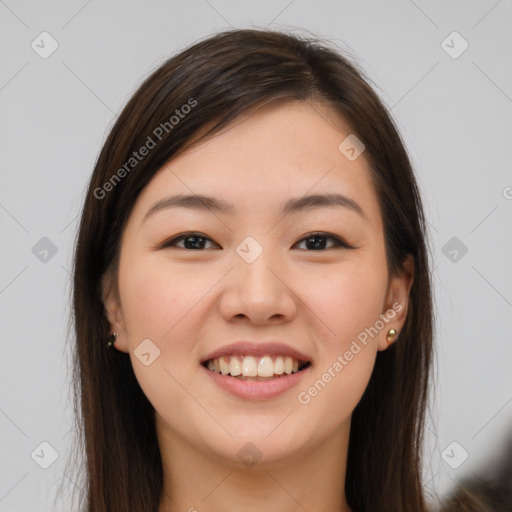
column 252, row 294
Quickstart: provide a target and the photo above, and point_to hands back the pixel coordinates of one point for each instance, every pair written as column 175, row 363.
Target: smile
column 255, row 368
column 255, row 386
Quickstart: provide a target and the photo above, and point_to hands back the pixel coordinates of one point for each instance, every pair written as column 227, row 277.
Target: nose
column 258, row 291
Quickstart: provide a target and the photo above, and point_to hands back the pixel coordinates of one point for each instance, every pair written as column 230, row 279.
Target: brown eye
column 192, row 241
column 314, row 241
column 317, row 241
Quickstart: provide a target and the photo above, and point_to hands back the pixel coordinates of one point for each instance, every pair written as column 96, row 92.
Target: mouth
column 257, row 369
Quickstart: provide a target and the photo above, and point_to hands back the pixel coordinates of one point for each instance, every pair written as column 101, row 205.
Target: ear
column 397, row 303
column 113, row 310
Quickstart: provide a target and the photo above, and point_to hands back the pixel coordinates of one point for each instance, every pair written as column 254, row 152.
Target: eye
column 193, row 241
column 196, row 241
column 313, row 238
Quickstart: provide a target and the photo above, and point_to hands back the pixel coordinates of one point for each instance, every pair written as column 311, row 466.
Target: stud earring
column 392, row 334
column 111, row 340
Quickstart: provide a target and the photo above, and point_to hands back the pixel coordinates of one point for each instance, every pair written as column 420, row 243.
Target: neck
column 312, row 480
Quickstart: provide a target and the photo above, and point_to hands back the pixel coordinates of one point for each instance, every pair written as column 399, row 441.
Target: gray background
column 455, row 117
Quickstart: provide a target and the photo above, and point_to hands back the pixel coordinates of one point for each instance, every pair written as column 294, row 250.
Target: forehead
column 262, row 160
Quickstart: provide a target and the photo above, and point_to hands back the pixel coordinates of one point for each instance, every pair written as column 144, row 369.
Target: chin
column 260, row 445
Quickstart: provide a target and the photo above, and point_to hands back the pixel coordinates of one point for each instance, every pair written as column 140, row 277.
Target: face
column 258, row 284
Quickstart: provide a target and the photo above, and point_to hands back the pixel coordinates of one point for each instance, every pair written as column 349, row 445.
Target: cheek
column 346, row 304
column 157, row 302
column 336, row 388
column 345, row 301
column 155, row 298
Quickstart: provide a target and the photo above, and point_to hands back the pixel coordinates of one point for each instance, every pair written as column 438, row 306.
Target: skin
column 189, row 302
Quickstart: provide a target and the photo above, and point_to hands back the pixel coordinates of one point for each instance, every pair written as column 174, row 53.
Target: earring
column 392, row 334
column 111, row 340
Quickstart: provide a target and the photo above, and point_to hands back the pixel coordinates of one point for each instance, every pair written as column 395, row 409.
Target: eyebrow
column 206, row 203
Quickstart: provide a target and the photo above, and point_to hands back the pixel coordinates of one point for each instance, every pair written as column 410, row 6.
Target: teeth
column 224, row 366
column 288, row 365
column 235, row 367
column 266, row 367
column 248, row 366
column 279, row 366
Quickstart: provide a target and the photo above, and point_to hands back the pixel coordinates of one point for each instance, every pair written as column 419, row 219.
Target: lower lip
column 253, row 389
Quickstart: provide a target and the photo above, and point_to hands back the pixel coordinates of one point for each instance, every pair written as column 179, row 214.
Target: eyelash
column 339, row 242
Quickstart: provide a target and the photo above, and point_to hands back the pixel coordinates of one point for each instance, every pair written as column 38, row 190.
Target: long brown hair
column 219, row 78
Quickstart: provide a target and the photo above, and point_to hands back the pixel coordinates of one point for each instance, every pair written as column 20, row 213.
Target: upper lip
column 248, row 348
